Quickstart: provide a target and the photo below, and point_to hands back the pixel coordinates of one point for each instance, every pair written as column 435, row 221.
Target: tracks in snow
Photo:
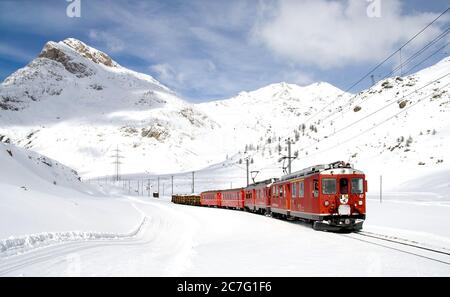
column 441, row 255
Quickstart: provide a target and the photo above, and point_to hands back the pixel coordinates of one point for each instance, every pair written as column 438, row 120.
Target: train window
column 343, row 185
column 281, row 191
column 328, row 186
column 357, row 185
column 294, row 190
column 301, row 187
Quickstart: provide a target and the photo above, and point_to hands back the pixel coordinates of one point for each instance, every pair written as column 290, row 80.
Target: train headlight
column 360, row 202
column 326, row 203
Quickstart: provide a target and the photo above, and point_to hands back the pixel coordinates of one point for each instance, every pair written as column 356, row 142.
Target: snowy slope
column 38, row 194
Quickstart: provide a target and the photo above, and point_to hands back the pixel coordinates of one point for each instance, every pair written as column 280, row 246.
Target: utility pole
column 117, row 163
column 247, row 163
column 381, row 188
column 158, row 185
column 193, row 185
column 289, row 155
column 148, row 187
column 172, row 183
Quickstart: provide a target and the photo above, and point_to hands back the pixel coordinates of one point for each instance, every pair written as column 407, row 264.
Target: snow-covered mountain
column 75, row 104
column 261, row 114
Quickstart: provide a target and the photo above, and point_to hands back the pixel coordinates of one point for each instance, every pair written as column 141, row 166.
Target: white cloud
column 193, row 72
column 337, row 33
column 112, row 43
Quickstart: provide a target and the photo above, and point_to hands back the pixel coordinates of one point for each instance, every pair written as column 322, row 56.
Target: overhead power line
column 381, row 63
column 376, row 125
column 347, row 107
column 364, row 118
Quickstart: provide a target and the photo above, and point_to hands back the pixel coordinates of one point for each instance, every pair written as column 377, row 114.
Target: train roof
column 339, row 167
column 224, row 190
column 266, row 182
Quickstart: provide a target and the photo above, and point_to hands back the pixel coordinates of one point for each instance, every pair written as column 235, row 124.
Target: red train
column 332, row 197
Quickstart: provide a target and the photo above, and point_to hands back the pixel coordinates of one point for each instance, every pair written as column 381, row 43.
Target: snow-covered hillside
column 39, row 194
column 399, row 128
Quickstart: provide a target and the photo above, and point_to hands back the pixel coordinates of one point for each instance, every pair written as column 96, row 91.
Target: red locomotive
column 330, row 196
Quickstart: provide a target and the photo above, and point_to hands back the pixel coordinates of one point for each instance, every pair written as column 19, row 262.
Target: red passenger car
column 211, row 198
column 233, row 198
column 332, row 196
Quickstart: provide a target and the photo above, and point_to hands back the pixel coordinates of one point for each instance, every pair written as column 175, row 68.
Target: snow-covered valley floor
column 164, row 239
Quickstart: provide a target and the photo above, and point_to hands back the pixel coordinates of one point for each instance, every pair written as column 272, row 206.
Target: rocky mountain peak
column 90, row 53
column 55, row 52
column 66, row 52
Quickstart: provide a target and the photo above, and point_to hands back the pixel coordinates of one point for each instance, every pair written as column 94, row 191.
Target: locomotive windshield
column 343, row 185
column 357, row 185
column 329, row 186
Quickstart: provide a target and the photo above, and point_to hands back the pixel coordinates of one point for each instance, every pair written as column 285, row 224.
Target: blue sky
column 210, row 49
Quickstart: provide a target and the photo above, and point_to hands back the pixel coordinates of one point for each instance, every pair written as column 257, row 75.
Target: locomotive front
column 342, row 194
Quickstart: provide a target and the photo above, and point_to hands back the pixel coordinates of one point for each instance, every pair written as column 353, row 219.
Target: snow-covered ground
column 72, row 228
column 40, row 195
column 182, row 240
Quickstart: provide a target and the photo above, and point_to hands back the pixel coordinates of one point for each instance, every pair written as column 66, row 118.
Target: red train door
column 294, row 194
column 219, row 199
column 288, row 196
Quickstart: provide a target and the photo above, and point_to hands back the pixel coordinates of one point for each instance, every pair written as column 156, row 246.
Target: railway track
column 441, row 255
